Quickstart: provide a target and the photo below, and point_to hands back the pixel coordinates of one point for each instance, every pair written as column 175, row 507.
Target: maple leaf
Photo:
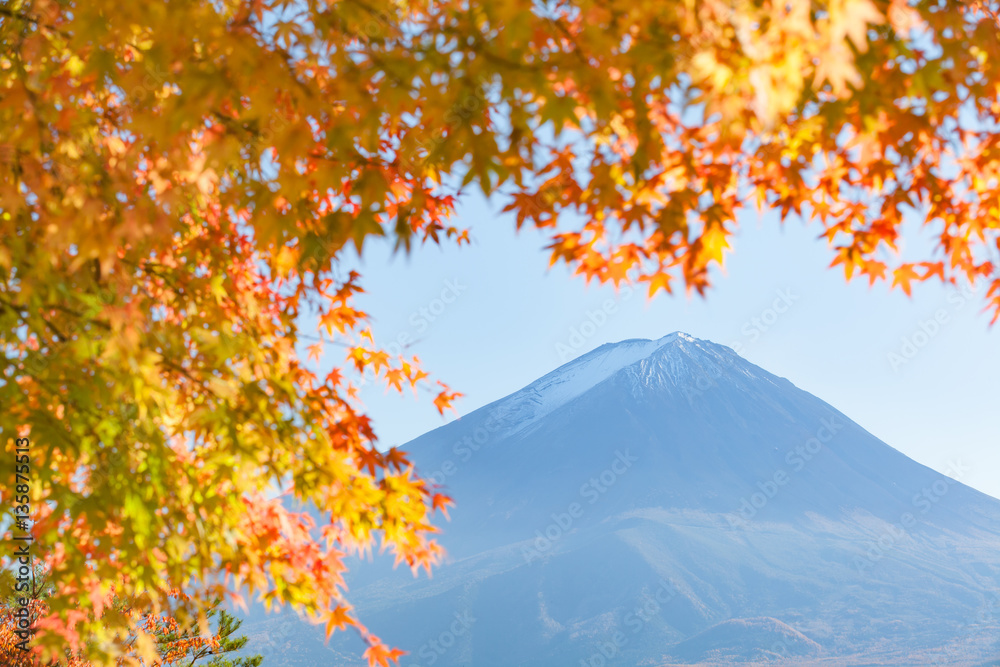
column 875, row 271
column 396, row 458
column 338, row 619
column 382, row 655
column 657, row 282
column 712, row 243
column 442, row 502
column 444, row 399
column 368, row 458
column 933, row 269
column 394, row 378
column 903, row 276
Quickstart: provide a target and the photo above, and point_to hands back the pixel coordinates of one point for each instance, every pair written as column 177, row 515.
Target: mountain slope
column 662, row 502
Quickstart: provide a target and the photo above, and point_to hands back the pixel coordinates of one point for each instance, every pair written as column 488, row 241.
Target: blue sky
column 492, row 317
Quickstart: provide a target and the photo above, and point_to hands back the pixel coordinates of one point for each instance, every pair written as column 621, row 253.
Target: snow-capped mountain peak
column 576, row 377
column 665, row 501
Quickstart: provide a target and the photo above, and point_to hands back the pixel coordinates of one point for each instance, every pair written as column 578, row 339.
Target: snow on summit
column 675, row 359
column 576, row 377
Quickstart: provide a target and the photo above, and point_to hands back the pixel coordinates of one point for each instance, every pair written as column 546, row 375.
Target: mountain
column 667, row 502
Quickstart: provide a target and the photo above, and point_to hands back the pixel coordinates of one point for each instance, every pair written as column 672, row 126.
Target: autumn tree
column 228, row 643
column 180, row 182
column 172, row 644
column 189, row 645
column 16, row 649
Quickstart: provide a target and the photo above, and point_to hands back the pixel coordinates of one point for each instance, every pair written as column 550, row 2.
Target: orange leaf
column 380, row 654
column 903, row 276
column 338, row 619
